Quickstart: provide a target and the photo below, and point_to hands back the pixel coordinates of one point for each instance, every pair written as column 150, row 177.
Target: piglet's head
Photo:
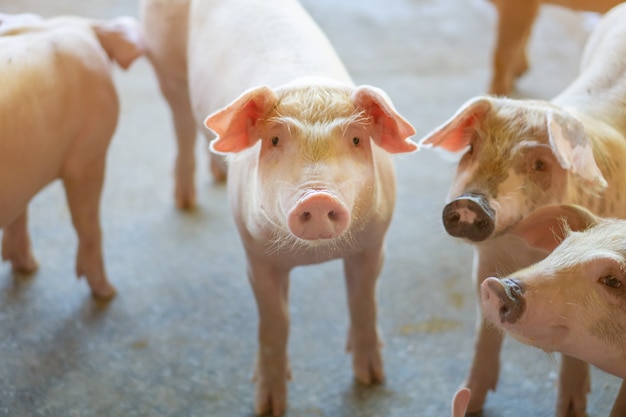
column 573, row 300
column 316, row 151
column 516, row 155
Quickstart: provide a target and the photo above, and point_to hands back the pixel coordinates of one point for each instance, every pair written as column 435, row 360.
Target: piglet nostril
column 512, row 303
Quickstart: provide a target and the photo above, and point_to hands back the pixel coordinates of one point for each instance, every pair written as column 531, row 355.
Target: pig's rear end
column 59, row 111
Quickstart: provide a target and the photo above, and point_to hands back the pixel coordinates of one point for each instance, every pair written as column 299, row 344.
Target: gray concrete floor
column 180, row 338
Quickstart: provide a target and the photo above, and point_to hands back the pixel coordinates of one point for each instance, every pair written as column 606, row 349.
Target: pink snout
column 503, row 300
column 318, row 215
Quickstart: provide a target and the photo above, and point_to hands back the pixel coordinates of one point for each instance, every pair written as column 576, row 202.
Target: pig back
column 238, row 44
column 56, row 92
column 600, row 89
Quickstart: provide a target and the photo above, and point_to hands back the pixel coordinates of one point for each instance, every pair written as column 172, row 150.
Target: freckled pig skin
column 521, row 155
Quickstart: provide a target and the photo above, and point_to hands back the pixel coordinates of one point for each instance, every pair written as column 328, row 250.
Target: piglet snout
column 507, row 296
column 469, row 216
column 318, row 215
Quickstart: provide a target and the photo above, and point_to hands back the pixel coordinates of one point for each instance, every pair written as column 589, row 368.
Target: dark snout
column 469, row 216
column 505, row 295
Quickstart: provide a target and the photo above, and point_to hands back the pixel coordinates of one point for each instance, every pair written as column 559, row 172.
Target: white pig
column 574, row 300
column 520, row 155
column 310, row 173
column 59, row 112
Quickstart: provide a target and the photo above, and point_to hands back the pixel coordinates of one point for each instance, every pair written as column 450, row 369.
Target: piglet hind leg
column 83, row 189
column 177, row 96
column 271, row 287
column 362, row 271
column 16, row 247
column 574, row 384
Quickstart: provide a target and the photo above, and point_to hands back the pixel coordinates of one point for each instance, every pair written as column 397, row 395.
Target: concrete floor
column 180, row 338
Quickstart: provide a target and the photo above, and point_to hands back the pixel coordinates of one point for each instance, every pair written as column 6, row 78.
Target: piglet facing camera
column 68, row 141
column 307, row 186
column 309, row 157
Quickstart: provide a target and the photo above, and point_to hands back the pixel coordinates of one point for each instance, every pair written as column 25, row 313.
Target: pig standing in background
column 520, row 155
column 310, row 173
column 59, row 112
column 515, row 21
column 573, row 301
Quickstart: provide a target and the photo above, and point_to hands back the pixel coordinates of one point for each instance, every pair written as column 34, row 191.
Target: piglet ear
column 455, row 134
column 121, row 38
column 233, row 123
column 393, row 130
column 573, row 150
column 460, row 402
column 546, row 227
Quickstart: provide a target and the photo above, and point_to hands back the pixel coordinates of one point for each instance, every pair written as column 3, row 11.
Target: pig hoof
column 105, row 292
column 218, row 168
column 219, row 175
column 185, row 201
column 270, row 400
column 368, row 369
column 27, row 266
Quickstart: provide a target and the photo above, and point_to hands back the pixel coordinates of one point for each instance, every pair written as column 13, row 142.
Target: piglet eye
column 539, row 165
column 611, row 281
column 356, row 141
column 470, row 149
column 275, row 140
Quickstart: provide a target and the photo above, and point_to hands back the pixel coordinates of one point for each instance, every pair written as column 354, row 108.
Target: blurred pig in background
column 59, row 112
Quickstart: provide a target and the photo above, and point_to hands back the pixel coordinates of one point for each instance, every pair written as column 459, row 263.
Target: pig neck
column 609, row 149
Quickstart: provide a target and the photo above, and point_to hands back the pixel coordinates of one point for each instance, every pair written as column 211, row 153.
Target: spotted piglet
column 520, row 155
column 573, row 300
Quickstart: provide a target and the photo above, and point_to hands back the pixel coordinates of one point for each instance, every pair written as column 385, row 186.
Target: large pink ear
column 573, row 150
column 121, row 38
column 394, row 130
column 454, row 135
column 233, row 123
column 546, row 227
column 460, row 402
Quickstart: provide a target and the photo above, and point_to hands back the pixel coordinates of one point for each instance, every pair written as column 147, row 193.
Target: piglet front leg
column 362, row 271
column 271, row 289
column 574, row 384
column 483, row 374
